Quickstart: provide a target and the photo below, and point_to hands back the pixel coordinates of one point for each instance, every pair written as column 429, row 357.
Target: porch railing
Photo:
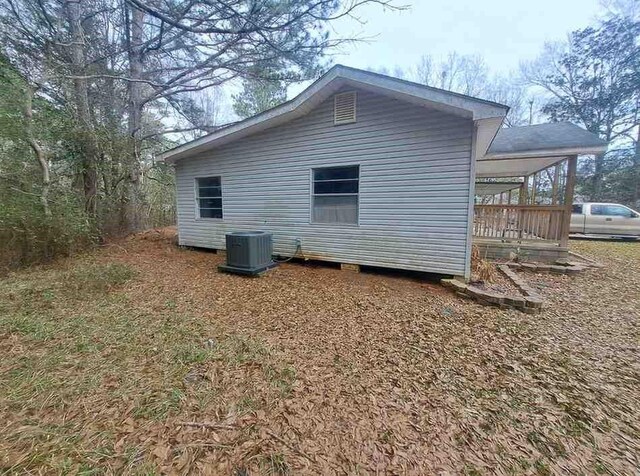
column 519, row 222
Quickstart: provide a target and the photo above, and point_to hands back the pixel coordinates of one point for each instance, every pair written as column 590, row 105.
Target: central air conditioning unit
column 248, row 252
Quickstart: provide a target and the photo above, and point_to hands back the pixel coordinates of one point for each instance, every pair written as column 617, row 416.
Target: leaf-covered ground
column 140, row 358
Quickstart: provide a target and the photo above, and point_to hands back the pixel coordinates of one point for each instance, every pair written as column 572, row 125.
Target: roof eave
column 562, row 152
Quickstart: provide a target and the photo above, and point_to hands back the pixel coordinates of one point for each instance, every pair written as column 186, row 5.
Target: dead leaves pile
column 313, row 370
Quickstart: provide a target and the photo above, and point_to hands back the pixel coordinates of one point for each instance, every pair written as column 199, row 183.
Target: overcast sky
column 504, row 32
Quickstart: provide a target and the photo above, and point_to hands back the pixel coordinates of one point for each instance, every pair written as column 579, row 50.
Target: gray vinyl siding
column 415, row 167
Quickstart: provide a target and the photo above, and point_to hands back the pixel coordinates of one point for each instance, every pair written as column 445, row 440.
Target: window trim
column 312, row 195
column 196, row 193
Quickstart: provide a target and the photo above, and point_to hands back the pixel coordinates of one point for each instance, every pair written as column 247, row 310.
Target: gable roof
column 538, row 140
column 334, row 79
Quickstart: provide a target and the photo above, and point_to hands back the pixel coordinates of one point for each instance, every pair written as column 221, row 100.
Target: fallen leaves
column 312, row 370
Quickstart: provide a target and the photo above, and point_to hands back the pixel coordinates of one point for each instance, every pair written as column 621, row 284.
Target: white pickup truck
column 605, row 219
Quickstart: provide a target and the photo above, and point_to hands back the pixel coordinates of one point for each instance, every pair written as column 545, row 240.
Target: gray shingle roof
column 552, row 136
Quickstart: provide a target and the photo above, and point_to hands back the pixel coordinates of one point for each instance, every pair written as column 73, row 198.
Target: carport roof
column 494, row 188
column 541, row 138
column 521, row 151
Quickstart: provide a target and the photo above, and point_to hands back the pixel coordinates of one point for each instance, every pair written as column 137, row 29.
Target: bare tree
column 115, row 63
column 75, row 47
column 468, row 74
column 626, row 8
column 512, row 92
column 38, row 148
column 593, row 79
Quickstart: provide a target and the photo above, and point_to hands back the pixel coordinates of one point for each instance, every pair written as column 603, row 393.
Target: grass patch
column 27, row 325
column 471, row 470
column 159, row 406
column 275, row 464
column 37, row 292
column 238, row 349
column 247, row 403
column 98, row 277
column 188, row 354
column 85, row 347
column 243, row 351
column 542, row 467
column 547, row 446
column 282, row 379
column 233, row 373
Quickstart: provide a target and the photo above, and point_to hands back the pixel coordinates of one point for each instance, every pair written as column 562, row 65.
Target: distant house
column 360, row 168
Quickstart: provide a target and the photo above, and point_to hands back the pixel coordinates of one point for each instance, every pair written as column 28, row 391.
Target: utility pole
column 530, row 111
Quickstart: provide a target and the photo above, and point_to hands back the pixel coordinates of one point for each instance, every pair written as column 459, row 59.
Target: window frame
column 312, row 195
column 197, row 198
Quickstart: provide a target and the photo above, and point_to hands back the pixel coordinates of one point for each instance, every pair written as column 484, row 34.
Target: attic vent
column 344, row 108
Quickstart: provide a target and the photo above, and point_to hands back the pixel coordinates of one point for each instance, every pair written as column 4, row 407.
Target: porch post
column 534, row 190
column 572, row 165
column 524, row 188
column 554, row 188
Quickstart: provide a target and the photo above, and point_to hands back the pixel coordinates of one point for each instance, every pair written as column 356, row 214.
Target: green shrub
column 28, row 236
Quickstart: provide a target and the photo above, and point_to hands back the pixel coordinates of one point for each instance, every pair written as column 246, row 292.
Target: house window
column 209, row 197
column 344, row 108
column 335, row 195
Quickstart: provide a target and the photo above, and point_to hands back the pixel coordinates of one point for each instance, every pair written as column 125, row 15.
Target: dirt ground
column 140, row 358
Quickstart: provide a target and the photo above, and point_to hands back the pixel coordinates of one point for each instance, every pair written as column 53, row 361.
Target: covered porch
column 524, row 190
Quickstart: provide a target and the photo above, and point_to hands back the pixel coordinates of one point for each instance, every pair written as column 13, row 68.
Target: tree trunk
column 636, row 171
column 81, row 92
column 134, row 199
column 37, row 149
column 597, row 178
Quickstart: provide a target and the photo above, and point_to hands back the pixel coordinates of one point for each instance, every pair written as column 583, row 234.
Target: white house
column 360, row 168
